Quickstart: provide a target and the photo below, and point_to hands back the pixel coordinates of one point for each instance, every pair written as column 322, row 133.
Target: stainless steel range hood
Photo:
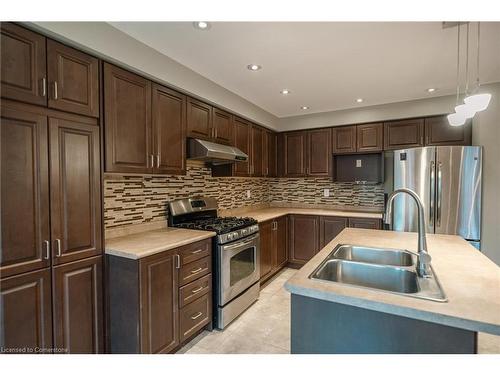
column 214, row 153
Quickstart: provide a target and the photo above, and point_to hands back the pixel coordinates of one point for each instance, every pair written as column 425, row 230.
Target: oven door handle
column 247, row 242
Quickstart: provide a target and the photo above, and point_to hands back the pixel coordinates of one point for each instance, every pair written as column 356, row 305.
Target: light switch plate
column 358, row 163
column 326, row 193
column 249, row 194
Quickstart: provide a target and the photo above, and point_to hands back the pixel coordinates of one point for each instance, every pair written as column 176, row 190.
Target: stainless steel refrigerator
column 448, row 181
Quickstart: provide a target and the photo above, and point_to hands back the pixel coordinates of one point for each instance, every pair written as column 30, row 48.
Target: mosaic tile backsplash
column 133, row 199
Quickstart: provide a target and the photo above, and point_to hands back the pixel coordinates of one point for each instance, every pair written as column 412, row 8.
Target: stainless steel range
column 236, row 254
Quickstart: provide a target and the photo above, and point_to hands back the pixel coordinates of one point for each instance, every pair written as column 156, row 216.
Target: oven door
column 240, row 267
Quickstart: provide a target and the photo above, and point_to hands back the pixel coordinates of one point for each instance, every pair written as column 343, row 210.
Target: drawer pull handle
column 197, row 270
column 194, row 291
column 196, row 316
column 197, row 251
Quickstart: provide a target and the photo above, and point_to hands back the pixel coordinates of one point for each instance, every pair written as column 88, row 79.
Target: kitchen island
column 332, row 317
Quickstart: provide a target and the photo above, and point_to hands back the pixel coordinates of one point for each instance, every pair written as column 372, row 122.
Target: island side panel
column 323, row 327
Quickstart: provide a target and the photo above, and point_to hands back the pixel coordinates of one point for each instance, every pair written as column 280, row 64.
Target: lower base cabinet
column 60, row 312
column 273, row 247
column 330, row 227
column 154, row 307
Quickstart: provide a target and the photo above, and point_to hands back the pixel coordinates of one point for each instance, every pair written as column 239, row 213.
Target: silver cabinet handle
column 197, row 251
column 55, row 90
column 151, row 159
column 177, row 261
column 194, row 291
column 432, row 188
column 47, row 249
column 196, row 316
column 439, row 195
column 199, row 269
column 44, row 86
column 158, row 161
column 215, row 132
column 58, row 247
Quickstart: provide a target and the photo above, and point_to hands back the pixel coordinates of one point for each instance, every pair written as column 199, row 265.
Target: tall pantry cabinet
column 51, row 225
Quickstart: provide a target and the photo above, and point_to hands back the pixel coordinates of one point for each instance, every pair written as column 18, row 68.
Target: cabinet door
column 330, row 227
column 266, row 231
column 75, row 190
column 169, row 131
column 344, row 139
column 365, row 223
column 159, row 314
column 25, row 231
column 78, row 306
column 281, row 242
column 295, row 154
column 438, row 132
column 26, row 311
column 257, row 149
column 370, row 137
column 319, row 152
column 403, row 134
column 127, row 117
column 242, row 132
column 304, row 237
column 199, row 119
column 272, row 167
column 73, row 78
column 222, row 123
column 23, row 64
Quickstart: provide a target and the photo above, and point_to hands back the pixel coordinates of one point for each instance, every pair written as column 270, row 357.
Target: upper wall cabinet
column 438, row 132
column 222, row 123
column 127, row 116
column 256, row 158
column 344, row 139
column 169, row 130
column 294, row 154
column 370, row 137
column 242, row 134
column 199, row 119
column 403, row 134
column 41, row 71
column 269, row 167
column 23, row 65
column 319, row 152
column 73, row 80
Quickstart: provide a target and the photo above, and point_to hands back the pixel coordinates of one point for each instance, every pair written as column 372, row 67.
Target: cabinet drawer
column 195, row 251
column 194, row 316
column 194, row 290
column 195, row 270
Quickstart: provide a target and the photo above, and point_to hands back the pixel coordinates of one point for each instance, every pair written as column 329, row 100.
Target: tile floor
column 265, row 327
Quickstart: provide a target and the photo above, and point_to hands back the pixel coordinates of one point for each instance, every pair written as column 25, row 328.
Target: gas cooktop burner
column 220, row 225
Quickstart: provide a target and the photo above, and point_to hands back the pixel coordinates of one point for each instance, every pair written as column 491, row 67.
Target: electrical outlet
column 326, row 193
column 249, row 194
column 358, row 163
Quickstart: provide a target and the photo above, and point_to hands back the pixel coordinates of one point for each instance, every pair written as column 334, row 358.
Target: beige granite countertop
column 268, row 213
column 142, row 244
column 470, row 280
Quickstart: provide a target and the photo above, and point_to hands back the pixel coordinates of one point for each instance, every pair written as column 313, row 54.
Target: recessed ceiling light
column 254, row 67
column 431, row 89
column 359, row 100
column 202, row 25
column 285, row 91
column 304, row 107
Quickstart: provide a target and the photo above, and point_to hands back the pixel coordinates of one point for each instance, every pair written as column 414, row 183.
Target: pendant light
column 457, row 118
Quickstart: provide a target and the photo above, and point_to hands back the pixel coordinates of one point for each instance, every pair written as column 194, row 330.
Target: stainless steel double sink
column 388, row 270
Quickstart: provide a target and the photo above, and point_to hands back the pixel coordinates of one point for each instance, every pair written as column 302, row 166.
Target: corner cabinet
column 304, row 238
column 157, row 303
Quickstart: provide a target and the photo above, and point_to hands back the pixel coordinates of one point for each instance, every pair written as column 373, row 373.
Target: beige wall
column 103, row 40
column 486, row 133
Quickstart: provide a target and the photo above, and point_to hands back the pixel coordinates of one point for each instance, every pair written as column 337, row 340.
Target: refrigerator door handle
column 432, row 194
column 439, row 195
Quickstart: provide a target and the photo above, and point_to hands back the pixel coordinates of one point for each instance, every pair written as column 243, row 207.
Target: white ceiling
column 325, row 65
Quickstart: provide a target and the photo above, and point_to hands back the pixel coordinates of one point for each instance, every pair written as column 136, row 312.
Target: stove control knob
column 235, row 235
column 230, row 236
column 243, row 231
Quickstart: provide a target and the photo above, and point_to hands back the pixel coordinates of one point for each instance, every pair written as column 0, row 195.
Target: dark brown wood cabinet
column 273, row 247
column 78, row 310
column 25, row 231
column 26, row 311
column 75, row 190
column 199, row 119
column 438, row 132
column 330, row 227
column 281, row 242
column 403, row 134
column 242, row 140
column 319, row 152
column 294, row 154
column 222, row 123
column 127, row 117
column 269, row 161
column 169, row 130
column 304, row 238
column 266, row 231
column 23, row 65
column 159, row 324
column 370, row 137
column 256, row 159
column 365, row 223
column 73, row 80
column 344, row 139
